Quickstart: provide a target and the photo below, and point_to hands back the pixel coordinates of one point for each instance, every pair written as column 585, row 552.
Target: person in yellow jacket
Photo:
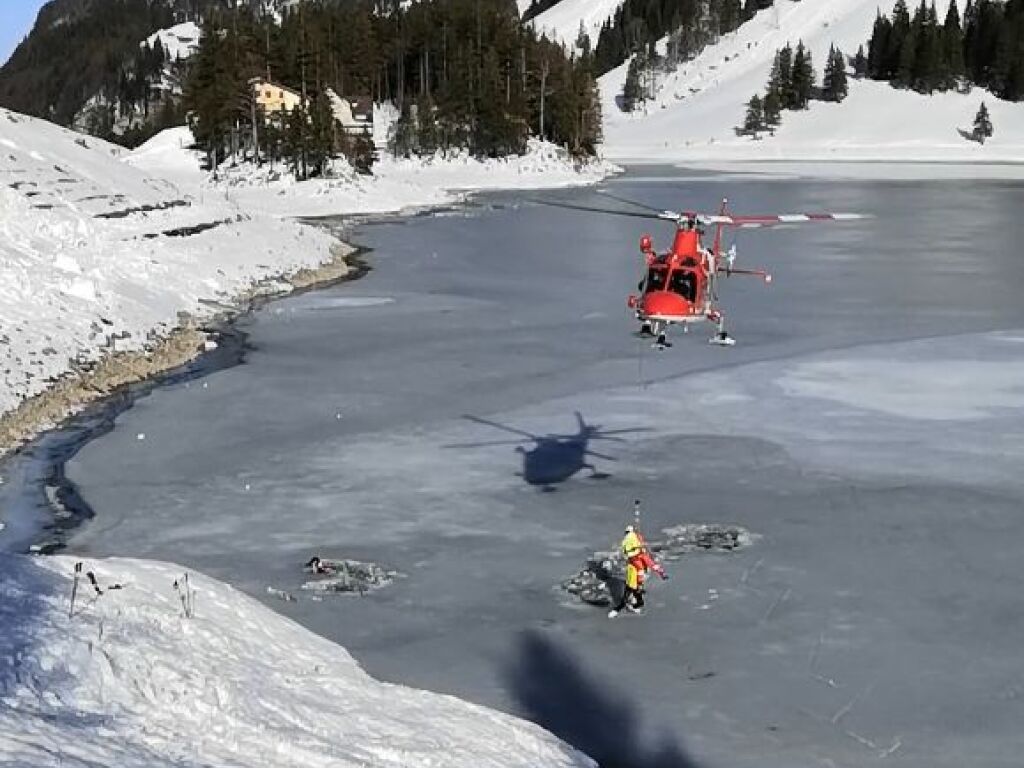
column 638, row 562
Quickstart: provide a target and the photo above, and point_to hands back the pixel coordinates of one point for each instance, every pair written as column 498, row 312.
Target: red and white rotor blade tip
column 792, row 218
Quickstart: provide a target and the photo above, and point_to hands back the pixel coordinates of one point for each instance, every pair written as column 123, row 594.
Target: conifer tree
column 633, row 89
column 730, row 16
column 895, row 56
column 927, row 69
column 771, row 109
column 583, row 41
column 361, row 154
column 970, row 28
column 982, row 124
column 753, row 122
column 860, row 63
column 780, row 81
column 878, row 49
column 296, row 143
column 320, row 135
column 802, row 79
column 1009, row 48
column 953, row 46
column 834, row 84
column 904, row 74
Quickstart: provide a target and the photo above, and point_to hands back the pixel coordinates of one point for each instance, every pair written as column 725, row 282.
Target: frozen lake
column 867, row 427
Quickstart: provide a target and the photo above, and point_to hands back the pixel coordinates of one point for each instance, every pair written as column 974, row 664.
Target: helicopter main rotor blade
column 662, row 216
column 613, row 434
column 486, row 443
column 768, row 220
column 496, row 425
column 645, row 206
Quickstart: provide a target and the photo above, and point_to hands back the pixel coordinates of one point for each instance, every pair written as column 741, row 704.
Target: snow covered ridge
column 128, row 681
column 562, row 21
column 97, row 256
column 697, row 107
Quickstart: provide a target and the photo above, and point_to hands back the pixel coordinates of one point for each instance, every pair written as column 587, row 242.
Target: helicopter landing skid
column 722, row 339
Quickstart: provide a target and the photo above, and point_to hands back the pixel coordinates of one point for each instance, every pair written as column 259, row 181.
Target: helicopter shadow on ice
column 549, row 460
column 555, row 691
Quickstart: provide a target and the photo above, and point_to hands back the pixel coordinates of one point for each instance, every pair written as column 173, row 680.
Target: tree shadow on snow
column 557, row 693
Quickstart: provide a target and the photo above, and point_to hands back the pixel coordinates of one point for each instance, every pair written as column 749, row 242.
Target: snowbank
column 129, row 681
column 396, row 183
column 97, row 256
column 169, row 155
column 697, row 107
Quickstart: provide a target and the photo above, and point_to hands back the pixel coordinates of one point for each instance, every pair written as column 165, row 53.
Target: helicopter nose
column 666, row 304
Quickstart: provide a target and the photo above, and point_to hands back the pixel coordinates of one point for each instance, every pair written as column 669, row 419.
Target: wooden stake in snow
column 186, row 596
column 74, row 589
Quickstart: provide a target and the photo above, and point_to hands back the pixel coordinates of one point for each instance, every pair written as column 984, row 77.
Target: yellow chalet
column 273, row 97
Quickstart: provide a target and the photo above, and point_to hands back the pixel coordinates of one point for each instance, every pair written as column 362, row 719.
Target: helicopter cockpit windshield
column 655, row 279
column 683, row 284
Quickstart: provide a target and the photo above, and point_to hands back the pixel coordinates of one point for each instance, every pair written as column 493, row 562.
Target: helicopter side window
column 683, row 284
column 655, row 279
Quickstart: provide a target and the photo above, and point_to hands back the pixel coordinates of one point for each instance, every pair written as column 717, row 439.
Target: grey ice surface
column 868, row 428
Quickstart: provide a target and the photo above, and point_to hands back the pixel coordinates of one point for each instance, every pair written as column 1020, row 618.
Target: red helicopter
column 680, row 285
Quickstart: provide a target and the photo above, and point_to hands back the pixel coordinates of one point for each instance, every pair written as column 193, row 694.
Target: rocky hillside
column 96, row 65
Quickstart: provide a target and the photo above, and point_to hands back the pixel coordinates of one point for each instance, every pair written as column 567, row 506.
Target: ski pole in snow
column 95, row 584
column 74, row 589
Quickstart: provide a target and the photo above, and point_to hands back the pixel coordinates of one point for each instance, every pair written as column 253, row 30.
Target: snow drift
column 130, row 681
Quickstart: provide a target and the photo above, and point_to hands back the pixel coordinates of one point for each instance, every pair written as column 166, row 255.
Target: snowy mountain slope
column 698, row 106
column 562, row 22
column 130, row 682
column 92, row 250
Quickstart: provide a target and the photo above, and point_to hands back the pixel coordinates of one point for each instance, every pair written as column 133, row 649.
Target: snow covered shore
column 130, row 681
column 396, row 184
column 98, row 258
column 102, row 251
